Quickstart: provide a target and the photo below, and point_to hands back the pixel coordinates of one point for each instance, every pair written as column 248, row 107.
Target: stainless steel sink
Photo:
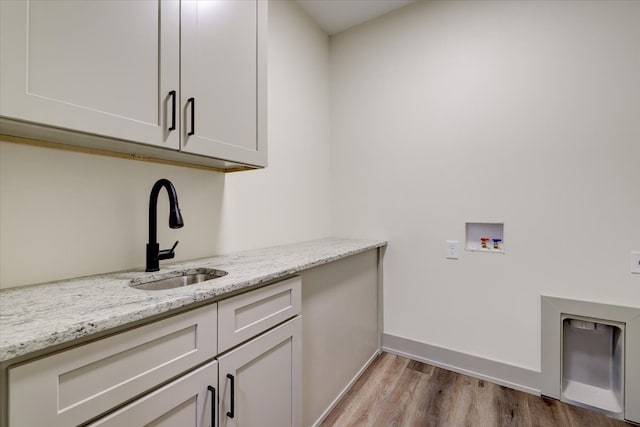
column 187, row 278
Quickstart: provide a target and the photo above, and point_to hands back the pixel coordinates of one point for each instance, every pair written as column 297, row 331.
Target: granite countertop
column 36, row 317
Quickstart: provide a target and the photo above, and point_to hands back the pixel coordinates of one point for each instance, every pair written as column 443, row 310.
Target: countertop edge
column 80, row 330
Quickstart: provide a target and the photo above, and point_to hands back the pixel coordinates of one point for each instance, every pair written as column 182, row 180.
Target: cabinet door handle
column 172, row 94
column 192, row 101
column 231, row 414
column 213, row 405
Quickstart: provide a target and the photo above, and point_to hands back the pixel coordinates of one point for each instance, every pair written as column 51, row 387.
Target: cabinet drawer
column 245, row 316
column 73, row 386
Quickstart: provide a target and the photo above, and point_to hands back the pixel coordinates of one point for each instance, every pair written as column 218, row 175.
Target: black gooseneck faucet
column 154, row 254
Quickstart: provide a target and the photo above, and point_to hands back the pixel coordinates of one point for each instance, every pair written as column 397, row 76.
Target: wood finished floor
column 395, row 391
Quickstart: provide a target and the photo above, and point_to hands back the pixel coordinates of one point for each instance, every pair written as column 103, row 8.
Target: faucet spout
column 154, row 254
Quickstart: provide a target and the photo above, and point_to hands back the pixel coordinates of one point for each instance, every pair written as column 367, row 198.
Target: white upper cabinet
column 224, row 79
column 188, row 76
column 100, row 67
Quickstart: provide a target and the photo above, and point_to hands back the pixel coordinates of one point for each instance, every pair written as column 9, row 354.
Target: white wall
column 526, row 112
column 66, row 214
column 289, row 201
column 441, row 113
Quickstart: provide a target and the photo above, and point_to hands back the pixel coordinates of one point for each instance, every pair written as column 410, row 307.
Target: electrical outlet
column 453, row 249
column 635, row 262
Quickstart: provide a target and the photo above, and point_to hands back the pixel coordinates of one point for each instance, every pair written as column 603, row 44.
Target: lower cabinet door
column 185, row 402
column 261, row 381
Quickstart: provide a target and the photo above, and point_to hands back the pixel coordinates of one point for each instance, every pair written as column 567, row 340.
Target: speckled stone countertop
column 36, row 317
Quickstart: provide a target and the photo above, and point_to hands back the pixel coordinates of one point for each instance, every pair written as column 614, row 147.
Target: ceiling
column 338, row 15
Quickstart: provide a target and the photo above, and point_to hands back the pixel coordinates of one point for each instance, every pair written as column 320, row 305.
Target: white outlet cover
column 635, row 262
column 453, row 249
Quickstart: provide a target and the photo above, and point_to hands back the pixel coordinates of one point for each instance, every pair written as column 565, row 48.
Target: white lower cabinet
column 256, row 384
column 74, row 386
column 186, row 402
column 261, row 381
column 172, row 372
column 237, row 362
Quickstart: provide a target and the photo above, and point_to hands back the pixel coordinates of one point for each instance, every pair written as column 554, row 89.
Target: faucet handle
column 168, row 253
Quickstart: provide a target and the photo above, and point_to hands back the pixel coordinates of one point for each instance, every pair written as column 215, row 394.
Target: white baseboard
column 345, row 389
column 496, row 372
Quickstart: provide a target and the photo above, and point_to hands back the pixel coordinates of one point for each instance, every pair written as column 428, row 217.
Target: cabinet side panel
column 339, row 306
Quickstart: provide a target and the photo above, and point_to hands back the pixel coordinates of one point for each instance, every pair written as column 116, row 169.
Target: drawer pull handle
column 213, row 405
column 172, row 94
column 231, row 414
column 192, row 101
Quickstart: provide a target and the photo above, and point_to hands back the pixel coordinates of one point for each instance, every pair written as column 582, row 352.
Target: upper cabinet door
column 100, row 67
column 224, row 79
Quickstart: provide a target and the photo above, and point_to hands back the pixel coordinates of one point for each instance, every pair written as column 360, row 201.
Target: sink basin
column 187, row 278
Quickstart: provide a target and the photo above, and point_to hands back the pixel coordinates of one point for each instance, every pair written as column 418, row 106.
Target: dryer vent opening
column 593, row 364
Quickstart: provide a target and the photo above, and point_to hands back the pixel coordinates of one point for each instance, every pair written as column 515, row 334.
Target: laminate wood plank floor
column 396, row 391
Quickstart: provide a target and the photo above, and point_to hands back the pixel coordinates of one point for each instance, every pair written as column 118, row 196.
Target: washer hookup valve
column 484, row 241
column 496, row 243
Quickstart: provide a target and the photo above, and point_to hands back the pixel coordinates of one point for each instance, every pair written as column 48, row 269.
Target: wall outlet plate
column 453, row 249
column 635, row 262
